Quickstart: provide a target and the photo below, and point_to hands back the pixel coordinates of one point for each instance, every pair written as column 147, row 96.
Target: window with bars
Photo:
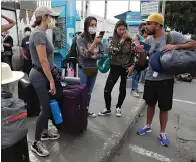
column 44, row 3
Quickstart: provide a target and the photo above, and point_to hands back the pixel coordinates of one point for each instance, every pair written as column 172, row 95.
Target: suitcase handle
column 75, row 58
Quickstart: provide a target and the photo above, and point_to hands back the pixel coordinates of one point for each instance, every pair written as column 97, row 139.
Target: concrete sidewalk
column 103, row 137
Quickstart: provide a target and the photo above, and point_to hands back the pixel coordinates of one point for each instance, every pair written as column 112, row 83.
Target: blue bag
column 155, row 62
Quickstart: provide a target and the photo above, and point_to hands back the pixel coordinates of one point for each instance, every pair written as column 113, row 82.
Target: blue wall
column 68, row 11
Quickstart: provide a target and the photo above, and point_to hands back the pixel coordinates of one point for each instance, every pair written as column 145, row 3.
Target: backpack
column 72, row 53
column 13, row 120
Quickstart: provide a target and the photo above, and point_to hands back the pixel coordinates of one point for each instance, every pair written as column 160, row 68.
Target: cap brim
column 54, row 14
column 16, row 75
column 146, row 20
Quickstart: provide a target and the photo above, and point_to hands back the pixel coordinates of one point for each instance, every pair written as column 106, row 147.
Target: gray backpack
column 13, row 120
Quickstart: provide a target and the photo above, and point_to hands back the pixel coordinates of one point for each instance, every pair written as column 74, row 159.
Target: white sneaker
column 139, row 91
column 91, row 114
column 104, row 112
column 40, row 149
column 50, row 136
column 118, row 112
column 135, row 94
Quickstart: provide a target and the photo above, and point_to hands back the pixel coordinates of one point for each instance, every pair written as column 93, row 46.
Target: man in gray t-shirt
column 159, row 86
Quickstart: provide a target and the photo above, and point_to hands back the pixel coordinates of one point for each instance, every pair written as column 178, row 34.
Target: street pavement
column 103, row 137
column 181, row 130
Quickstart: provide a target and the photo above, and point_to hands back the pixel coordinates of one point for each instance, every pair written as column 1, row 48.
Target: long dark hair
column 119, row 23
column 87, row 22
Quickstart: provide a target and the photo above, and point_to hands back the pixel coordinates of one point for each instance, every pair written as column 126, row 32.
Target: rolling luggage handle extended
column 72, row 80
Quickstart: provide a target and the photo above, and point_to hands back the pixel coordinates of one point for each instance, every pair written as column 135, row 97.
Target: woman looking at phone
column 90, row 49
column 123, row 58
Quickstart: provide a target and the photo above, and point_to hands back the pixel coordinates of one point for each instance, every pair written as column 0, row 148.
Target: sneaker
column 139, row 91
column 92, row 115
column 135, row 94
column 164, row 139
column 118, row 112
column 104, row 112
column 50, row 136
column 40, row 149
column 144, row 130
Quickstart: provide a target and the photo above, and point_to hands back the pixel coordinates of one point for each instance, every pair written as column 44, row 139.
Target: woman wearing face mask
column 25, row 51
column 90, row 49
column 123, row 58
column 42, row 55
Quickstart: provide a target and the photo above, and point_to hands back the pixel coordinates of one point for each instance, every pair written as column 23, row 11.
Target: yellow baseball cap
column 155, row 17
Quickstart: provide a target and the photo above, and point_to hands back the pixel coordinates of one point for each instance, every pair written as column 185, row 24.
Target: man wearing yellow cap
column 159, row 86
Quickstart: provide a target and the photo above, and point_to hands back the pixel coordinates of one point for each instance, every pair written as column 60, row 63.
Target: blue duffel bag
column 155, row 62
column 178, row 61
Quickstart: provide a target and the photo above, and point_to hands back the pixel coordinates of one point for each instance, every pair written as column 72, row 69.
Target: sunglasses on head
column 51, row 16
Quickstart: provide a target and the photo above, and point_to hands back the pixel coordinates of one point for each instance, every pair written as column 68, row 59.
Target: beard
column 150, row 32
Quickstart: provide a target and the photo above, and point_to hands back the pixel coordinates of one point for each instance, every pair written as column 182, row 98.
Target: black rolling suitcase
column 26, row 92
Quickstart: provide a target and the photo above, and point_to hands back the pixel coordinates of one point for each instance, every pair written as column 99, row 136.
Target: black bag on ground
column 185, row 77
column 16, row 153
column 26, row 92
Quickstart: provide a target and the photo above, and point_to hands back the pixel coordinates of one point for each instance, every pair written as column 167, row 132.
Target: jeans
column 89, row 81
column 135, row 80
column 143, row 75
column 115, row 73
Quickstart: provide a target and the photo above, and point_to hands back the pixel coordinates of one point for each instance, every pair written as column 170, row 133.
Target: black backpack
column 72, row 54
column 26, row 92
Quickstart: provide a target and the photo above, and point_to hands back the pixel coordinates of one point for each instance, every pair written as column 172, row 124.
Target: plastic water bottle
column 56, row 113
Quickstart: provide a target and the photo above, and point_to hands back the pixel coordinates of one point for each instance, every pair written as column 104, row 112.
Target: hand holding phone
column 101, row 34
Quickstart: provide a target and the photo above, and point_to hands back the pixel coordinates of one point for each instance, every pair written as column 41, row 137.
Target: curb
column 138, row 110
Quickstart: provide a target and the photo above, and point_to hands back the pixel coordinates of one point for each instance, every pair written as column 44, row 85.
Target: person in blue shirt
column 26, row 52
column 140, row 36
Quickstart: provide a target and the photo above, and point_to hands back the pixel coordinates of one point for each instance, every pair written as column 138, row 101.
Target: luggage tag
column 64, row 84
column 155, row 74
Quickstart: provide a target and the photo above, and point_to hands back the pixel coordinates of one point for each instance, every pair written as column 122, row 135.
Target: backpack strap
column 168, row 38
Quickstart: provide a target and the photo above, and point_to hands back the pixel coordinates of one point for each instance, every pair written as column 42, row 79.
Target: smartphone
column 101, row 34
column 146, row 46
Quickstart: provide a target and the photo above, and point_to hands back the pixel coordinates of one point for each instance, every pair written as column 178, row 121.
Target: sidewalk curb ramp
column 111, row 151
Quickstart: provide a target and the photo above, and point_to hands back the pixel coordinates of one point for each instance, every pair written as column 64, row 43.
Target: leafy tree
column 181, row 16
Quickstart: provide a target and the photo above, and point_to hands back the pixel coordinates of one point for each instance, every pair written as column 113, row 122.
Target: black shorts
column 161, row 91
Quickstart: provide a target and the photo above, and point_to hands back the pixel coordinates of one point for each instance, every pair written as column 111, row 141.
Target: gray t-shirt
column 176, row 38
column 39, row 37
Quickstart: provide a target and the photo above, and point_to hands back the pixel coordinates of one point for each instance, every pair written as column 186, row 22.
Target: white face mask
column 27, row 33
column 92, row 30
column 51, row 23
